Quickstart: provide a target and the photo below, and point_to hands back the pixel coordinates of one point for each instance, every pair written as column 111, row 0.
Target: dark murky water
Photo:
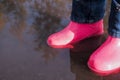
column 24, row 54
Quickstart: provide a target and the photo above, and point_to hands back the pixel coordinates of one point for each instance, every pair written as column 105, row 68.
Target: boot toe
column 103, row 67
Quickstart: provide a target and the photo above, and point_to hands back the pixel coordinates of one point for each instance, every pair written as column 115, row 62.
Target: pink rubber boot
column 73, row 33
column 106, row 59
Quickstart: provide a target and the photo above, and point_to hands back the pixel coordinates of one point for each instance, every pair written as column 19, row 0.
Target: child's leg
column 86, row 21
column 106, row 59
column 87, row 11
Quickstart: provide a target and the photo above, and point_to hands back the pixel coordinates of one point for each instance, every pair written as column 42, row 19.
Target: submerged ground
column 24, row 54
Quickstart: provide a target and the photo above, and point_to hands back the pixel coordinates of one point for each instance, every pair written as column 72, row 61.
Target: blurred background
column 24, row 54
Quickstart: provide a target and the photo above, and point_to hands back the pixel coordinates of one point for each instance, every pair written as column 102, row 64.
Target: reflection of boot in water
column 73, row 33
column 79, row 57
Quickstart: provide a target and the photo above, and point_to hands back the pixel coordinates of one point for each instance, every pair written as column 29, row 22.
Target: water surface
column 24, row 54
